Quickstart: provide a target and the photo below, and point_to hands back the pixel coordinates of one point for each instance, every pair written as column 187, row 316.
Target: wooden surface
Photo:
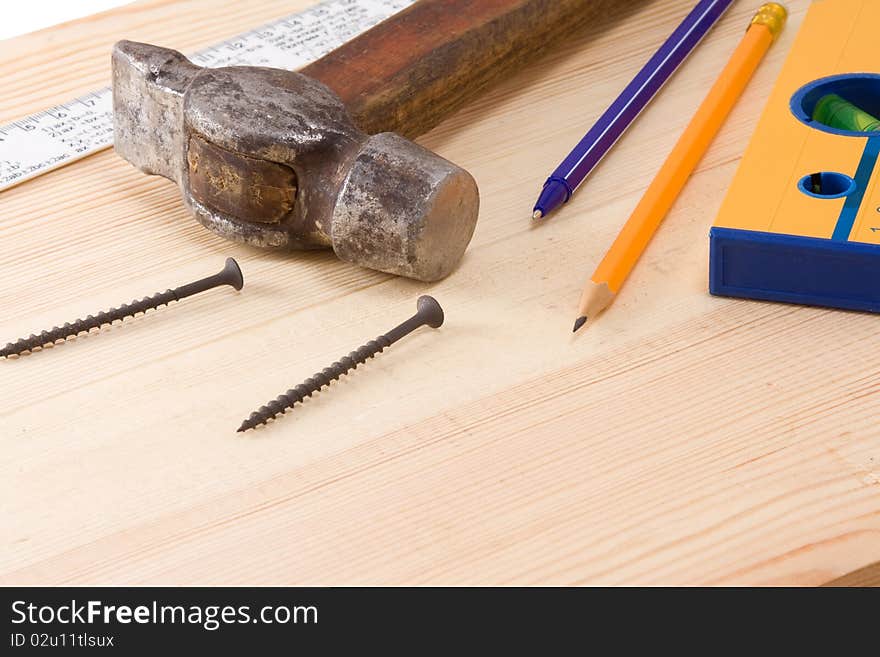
column 682, row 439
column 867, row 576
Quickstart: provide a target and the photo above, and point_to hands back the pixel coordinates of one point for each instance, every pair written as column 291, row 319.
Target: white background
column 22, row 17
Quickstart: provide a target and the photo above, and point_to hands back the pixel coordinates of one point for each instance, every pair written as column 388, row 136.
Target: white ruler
column 65, row 133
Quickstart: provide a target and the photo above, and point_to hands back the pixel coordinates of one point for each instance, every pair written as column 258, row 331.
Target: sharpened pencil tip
column 537, row 214
column 580, row 321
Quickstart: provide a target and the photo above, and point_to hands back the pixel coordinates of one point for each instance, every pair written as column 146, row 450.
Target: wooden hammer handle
column 409, row 72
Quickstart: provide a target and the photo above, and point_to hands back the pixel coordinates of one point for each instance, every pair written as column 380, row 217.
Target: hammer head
column 271, row 158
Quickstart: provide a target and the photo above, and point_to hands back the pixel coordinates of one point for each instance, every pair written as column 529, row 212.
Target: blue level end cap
column 794, row 269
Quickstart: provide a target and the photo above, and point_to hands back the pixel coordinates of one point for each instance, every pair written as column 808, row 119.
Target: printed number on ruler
column 57, row 136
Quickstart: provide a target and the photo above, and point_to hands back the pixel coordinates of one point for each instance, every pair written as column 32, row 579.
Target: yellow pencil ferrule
column 772, row 16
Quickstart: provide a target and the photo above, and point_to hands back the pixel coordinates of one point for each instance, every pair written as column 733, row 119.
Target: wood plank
column 683, row 439
column 867, row 576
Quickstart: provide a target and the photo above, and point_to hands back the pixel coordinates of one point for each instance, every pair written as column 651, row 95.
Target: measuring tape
column 62, row 134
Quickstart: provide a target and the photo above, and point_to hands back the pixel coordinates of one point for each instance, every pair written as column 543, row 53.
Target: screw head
column 430, row 310
column 232, row 274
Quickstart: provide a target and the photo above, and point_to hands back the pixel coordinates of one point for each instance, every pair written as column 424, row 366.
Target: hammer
column 323, row 157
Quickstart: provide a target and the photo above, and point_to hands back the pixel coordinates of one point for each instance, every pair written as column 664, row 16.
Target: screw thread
column 70, row 330
column 314, row 383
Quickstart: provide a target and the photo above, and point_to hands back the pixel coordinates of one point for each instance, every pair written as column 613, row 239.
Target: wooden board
column 867, row 576
column 682, row 439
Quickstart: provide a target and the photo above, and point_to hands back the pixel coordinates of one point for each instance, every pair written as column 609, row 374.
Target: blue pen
column 623, row 111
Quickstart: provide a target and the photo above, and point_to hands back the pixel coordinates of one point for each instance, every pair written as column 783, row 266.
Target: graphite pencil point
column 580, row 321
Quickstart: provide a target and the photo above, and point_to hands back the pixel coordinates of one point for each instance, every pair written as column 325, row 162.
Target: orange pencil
column 692, row 145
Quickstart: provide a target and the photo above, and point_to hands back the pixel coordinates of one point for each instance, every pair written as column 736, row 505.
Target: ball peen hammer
column 323, row 157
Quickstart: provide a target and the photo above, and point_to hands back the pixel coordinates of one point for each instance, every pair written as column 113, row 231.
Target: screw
column 230, row 275
column 428, row 311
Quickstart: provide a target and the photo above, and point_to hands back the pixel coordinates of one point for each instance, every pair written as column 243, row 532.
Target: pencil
column 620, row 259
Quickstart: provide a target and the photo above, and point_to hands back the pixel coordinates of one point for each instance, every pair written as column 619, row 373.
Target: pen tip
column 537, row 214
column 580, row 321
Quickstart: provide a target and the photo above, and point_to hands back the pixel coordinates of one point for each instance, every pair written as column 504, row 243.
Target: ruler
column 68, row 132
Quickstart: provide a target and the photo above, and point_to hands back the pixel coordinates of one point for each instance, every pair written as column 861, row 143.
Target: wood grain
column 683, row 439
column 867, row 576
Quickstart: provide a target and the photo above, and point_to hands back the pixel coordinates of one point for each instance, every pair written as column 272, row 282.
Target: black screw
column 428, row 312
column 230, row 275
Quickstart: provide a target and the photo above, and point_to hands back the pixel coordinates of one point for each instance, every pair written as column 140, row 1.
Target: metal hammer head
column 271, row 158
